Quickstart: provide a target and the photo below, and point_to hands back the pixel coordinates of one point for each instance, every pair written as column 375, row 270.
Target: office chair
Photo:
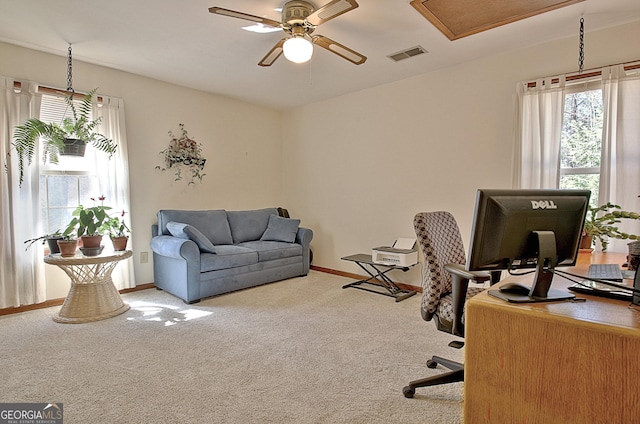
column 445, row 288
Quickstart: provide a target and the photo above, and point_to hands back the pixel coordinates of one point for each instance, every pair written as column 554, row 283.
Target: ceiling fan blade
column 245, row 16
column 337, row 48
column 331, row 10
column 273, row 54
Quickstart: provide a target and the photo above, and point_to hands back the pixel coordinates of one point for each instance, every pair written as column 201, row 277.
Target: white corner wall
column 359, row 167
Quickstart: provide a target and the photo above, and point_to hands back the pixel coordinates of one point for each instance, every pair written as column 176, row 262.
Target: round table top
column 80, row 259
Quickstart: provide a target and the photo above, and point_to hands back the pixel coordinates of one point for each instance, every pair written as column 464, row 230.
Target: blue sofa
column 197, row 254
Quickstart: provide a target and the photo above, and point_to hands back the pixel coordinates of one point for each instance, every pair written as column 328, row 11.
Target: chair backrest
column 441, row 243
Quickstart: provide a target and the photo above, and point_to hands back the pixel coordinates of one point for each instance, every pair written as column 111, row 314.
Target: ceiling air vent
column 406, row 54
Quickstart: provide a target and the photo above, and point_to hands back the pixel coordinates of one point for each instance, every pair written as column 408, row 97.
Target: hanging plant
column 183, row 151
column 69, row 137
column 76, row 130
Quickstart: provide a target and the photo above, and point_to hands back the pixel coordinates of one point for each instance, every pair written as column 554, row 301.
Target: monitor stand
column 553, row 295
column 541, row 290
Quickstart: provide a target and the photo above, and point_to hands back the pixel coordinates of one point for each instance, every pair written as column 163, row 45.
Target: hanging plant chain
column 581, row 47
column 69, row 72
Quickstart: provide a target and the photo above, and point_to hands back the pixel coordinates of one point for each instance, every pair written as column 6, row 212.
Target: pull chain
column 69, row 73
column 581, row 48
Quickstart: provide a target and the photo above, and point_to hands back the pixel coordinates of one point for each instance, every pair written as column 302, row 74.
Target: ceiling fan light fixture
column 297, row 49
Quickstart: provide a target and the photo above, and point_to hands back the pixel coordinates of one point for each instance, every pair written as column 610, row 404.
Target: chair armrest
column 460, row 283
column 460, row 271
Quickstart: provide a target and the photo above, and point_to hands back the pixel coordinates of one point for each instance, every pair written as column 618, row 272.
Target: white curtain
column 538, row 135
column 22, row 276
column 113, row 176
column 22, row 279
column 538, row 131
column 620, row 167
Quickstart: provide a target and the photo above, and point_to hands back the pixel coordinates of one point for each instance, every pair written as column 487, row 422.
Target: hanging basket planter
column 183, row 152
column 73, row 147
column 188, row 161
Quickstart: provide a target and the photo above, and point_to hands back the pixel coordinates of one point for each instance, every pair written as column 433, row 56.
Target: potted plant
column 68, row 137
column 183, row 151
column 50, row 239
column 601, row 223
column 67, row 245
column 87, row 224
column 118, row 232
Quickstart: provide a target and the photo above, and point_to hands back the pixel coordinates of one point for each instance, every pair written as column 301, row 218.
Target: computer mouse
column 515, row 288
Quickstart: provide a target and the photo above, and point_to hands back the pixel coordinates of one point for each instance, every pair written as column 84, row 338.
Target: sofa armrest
column 304, row 237
column 174, row 247
column 176, row 266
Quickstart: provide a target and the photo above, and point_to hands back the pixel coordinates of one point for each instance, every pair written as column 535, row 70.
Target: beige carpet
column 297, row 351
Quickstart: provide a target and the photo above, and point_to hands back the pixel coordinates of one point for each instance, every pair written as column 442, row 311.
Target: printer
column 402, row 253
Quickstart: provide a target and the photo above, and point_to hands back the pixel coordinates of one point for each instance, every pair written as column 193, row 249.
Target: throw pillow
column 189, row 232
column 281, row 229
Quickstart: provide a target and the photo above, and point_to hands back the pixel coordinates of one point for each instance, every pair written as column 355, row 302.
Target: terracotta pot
column 67, row 247
column 119, row 243
column 91, row 242
column 586, row 242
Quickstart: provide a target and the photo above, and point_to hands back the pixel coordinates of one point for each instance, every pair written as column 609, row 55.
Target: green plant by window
column 55, row 235
column 116, row 227
column 602, row 223
column 88, row 221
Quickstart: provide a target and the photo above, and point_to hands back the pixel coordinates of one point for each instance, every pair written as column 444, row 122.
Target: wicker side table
column 92, row 296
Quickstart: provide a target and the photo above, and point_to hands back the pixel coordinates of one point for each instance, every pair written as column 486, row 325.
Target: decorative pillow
column 281, row 229
column 249, row 225
column 189, row 232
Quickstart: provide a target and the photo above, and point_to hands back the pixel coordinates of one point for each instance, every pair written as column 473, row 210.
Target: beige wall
column 363, row 164
column 356, row 168
column 242, row 144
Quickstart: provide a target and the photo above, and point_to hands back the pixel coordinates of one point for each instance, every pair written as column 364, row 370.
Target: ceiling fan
column 299, row 21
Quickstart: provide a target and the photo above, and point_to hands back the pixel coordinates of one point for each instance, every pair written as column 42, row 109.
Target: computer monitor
column 515, row 229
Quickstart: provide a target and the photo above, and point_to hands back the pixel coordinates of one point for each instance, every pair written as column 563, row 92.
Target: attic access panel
column 461, row 18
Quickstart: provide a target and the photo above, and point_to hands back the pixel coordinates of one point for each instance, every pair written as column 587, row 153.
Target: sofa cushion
column 281, row 229
column 186, row 231
column 249, row 225
column 212, row 223
column 272, row 250
column 227, row 256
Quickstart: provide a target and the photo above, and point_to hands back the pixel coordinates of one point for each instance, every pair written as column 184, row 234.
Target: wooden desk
column 560, row 362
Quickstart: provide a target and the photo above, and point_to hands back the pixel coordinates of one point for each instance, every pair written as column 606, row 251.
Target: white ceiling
column 180, row 42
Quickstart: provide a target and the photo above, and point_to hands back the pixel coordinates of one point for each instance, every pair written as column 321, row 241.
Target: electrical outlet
column 144, row 257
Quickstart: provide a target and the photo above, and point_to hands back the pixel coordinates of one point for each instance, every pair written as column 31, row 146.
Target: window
column 67, row 184
column 581, row 142
column 581, row 130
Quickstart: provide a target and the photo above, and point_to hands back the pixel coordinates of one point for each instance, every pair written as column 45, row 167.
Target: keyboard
column 598, row 289
column 610, row 272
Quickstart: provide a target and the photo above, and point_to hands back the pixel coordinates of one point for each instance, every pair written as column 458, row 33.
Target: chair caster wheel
column 408, row 392
column 431, row 364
